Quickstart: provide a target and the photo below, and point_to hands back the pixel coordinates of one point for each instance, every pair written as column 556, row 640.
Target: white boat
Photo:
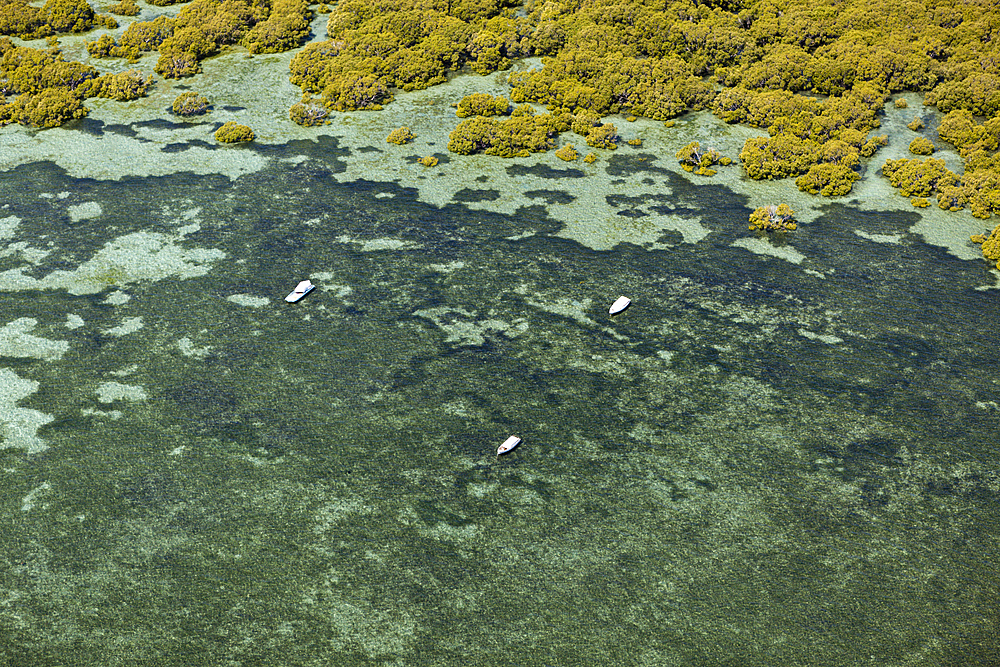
column 620, row 304
column 508, row 444
column 300, row 291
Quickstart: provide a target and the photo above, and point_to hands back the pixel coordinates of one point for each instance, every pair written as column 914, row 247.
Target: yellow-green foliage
column 916, row 124
column 778, row 157
column 803, row 131
column 482, row 104
column 233, row 132
column 50, row 90
column 669, row 123
column 694, row 159
column 921, row 146
column 603, row 136
column 579, row 78
column 990, row 244
column 918, row 178
column 429, row 161
column 982, row 190
column 960, row 129
column 401, row 136
column 871, row 146
column 920, row 202
column 517, row 136
column 190, row 104
column 977, row 144
column 22, row 20
column 901, row 103
column 309, row 113
column 590, row 158
column 27, row 70
column 568, row 153
column 139, row 37
column 285, row 28
column 123, row 86
column 204, row 27
column 779, row 218
column 636, row 141
column 125, row 8
column 49, row 108
column 406, row 44
column 827, row 179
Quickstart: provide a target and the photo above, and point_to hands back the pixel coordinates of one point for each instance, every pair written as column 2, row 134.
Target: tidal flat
column 784, row 453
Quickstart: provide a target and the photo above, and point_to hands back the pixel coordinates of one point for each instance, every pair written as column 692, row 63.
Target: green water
column 759, row 463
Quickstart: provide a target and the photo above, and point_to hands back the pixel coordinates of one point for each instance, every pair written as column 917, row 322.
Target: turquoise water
column 760, row 462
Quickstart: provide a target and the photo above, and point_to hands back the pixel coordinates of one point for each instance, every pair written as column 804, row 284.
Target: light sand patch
column 249, row 300
column 339, row 291
column 117, row 298
column 880, row 238
column 374, row 245
column 8, row 225
column 28, row 502
column 28, row 253
column 108, row 392
column 188, row 349
column 113, row 415
column 129, row 325
column 74, row 321
column 19, row 426
column 763, row 247
column 824, row 338
column 461, row 328
column 447, row 268
column 16, row 341
column 84, row 211
column 576, row 310
column 127, row 259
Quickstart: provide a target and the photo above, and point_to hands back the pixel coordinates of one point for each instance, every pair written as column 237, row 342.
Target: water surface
column 783, row 453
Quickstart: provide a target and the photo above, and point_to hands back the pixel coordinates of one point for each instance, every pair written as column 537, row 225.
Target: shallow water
column 763, row 461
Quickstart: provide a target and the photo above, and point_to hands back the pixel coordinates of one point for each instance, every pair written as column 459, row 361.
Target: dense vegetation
column 700, row 160
column 190, row 104
column 19, row 19
column 49, row 90
column 233, row 132
column 814, row 76
column 780, row 218
column 204, row 27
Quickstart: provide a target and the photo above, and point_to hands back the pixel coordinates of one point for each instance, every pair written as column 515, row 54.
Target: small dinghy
column 300, row 291
column 620, row 304
column 508, row 444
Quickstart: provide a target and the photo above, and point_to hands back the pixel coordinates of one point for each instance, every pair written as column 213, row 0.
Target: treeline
column 815, row 76
column 48, row 90
column 19, row 19
column 204, row 27
column 377, row 46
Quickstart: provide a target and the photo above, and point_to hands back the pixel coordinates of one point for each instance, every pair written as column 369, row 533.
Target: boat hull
column 620, row 304
column 508, row 444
